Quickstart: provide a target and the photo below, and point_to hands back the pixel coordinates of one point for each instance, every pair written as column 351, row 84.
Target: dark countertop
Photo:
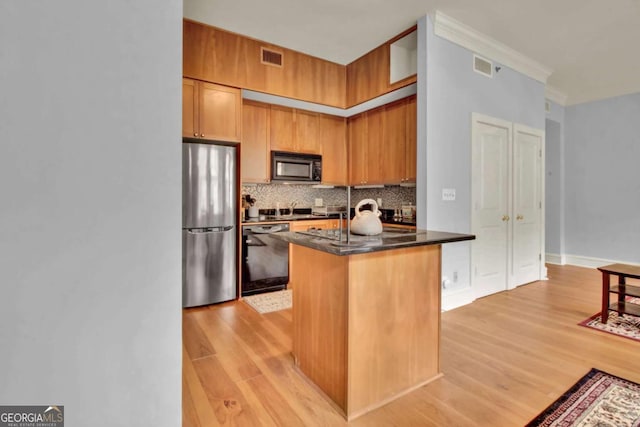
column 306, row 215
column 364, row 244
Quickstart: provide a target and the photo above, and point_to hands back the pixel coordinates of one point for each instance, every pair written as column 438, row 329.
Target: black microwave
column 296, row 167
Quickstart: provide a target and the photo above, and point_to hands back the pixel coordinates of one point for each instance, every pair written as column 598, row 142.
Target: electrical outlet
column 318, row 202
column 448, row 194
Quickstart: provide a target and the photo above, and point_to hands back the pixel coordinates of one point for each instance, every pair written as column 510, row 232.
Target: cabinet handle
column 195, row 134
column 519, row 217
column 202, row 135
column 505, row 217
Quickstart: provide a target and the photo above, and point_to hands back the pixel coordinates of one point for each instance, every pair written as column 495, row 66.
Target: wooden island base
column 366, row 326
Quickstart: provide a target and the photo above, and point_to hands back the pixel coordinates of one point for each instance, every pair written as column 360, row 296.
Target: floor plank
column 504, row 357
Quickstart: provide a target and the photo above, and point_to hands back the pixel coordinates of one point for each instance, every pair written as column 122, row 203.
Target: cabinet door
column 189, row 108
column 411, row 141
column 281, row 132
column 392, row 149
column 254, row 148
column 305, row 225
column 358, row 149
column 306, row 132
column 333, row 140
column 374, row 143
column 220, row 112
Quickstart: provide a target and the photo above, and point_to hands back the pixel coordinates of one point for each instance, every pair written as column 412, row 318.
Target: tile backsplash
column 267, row 195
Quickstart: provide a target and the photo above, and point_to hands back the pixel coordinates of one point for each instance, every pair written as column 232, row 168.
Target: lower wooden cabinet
column 304, row 226
column 316, row 223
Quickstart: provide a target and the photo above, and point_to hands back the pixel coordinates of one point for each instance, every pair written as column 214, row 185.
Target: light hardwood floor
column 505, row 357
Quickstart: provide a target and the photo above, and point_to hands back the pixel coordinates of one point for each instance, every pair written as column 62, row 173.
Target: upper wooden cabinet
column 219, row 56
column 382, row 144
column 332, row 136
column 255, row 142
column 269, row 128
column 369, row 76
column 281, row 129
column 294, row 130
column 211, row 111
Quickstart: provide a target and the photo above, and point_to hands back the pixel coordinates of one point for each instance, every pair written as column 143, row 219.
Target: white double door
column 507, row 205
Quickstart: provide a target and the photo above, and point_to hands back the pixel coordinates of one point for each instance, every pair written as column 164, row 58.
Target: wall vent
column 271, row 57
column 547, row 106
column 482, row 66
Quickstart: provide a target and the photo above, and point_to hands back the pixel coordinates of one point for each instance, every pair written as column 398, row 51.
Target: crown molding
column 465, row 36
column 555, row 95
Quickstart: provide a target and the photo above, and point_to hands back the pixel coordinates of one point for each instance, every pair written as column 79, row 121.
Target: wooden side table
column 622, row 289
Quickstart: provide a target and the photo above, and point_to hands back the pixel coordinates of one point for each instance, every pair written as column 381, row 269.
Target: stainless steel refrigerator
column 209, row 223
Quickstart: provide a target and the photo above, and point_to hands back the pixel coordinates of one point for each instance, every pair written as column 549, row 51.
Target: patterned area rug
column 625, row 326
column 270, row 301
column 598, row 399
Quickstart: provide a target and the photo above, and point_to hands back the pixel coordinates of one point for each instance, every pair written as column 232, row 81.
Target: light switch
column 448, row 194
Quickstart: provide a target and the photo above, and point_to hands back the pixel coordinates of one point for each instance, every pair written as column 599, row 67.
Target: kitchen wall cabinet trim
column 371, row 104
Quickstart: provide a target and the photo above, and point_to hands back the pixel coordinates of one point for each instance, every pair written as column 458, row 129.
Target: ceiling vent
column 271, row 57
column 482, row 66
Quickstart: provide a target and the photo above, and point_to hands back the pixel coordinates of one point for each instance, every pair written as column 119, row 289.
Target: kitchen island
column 366, row 314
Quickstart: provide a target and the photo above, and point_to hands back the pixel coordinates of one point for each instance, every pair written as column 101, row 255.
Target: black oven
column 296, row 167
column 265, row 260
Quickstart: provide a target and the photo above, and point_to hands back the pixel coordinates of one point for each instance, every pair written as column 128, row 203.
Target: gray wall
column 453, row 91
column 602, row 148
column 90, row 209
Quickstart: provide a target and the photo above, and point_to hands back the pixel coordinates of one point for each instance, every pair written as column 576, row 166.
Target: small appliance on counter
column 328, row 210
column 367, row 222
column 408, row 212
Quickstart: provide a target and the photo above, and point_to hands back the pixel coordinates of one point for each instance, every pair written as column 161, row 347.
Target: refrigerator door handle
column 209, row 230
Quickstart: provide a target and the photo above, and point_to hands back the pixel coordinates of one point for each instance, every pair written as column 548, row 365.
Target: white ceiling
column 591, row 45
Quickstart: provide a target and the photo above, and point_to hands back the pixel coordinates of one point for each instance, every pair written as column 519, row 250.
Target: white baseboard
column 555, row 259
column 581, row 261
column 457, row 298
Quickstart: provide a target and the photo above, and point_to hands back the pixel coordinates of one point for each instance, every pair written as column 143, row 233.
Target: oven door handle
column 270, row 230
column 209, row 230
